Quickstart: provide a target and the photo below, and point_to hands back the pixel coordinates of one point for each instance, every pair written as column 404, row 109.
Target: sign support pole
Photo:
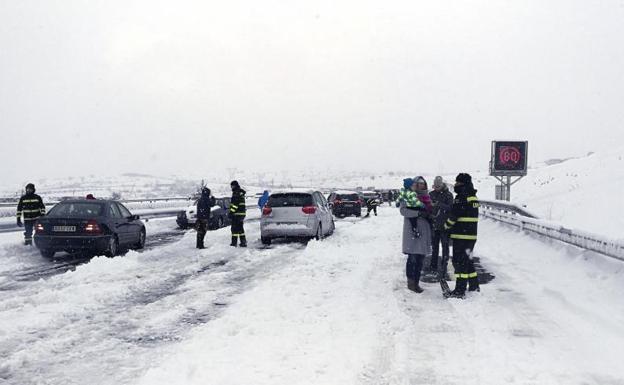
column 506, row 182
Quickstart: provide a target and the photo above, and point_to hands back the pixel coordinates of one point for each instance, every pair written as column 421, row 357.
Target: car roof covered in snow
column 85, row 200
column 294, row 190
column 344, row 192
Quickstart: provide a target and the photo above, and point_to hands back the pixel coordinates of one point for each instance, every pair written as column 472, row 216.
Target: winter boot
column 473, row 284
column 413, row 286
column 460, row 288
column 243, row 241
column 28, row 242
column 234, row 241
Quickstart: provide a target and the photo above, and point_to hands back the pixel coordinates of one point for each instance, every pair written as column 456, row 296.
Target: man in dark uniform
column 442, row 200
column 371, row 205
column 31, row 207
column 462, row 226
column 237, row 214
column 204, row 208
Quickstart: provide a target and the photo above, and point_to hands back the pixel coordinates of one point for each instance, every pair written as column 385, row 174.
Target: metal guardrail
column 140, row 200
column 516, row 216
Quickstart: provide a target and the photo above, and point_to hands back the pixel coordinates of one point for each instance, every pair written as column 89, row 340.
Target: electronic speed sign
column 509, row 158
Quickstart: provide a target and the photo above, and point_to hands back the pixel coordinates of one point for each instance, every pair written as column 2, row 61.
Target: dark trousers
column 465, row 273
column 238, row 230
column 202, row 229
column 370, row 209
column 439, row 236
column 414, row 265
column 28, row 231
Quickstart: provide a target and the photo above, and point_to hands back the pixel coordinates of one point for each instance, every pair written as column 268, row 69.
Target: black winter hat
column 234, row 183
column 30, row 186
column 205, row 191
column 464, row 178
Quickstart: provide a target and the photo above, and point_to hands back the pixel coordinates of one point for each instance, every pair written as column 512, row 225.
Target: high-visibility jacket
column 463, row 221
column 237, row 203
column 31, row 207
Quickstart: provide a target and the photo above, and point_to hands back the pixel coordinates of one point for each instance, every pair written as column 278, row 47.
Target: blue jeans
column 414, row 265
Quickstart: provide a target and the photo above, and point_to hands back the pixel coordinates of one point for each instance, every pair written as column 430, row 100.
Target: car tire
column 113, row 247
column 47, row 254
column 265, row 241
column 141, row 244
column 332, row 228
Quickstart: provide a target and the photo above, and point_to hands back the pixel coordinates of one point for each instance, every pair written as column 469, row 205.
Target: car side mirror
column 133, row 218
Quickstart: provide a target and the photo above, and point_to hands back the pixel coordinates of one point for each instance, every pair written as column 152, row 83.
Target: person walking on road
column 416, row 239
column 237, row 214
column 462, row 225
column 31, row 207
column 204, row 209
column 442, row 200
column 371, row 206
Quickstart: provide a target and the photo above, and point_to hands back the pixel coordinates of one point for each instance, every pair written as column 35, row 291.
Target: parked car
column 345, row 203
column 218, row 218
column 366, row 195
column 296, row 214
column 93, row 226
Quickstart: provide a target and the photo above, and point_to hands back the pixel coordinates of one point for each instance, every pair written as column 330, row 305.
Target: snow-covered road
column 334, row 312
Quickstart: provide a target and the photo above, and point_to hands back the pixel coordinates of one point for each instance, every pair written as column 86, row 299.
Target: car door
column 329, row 218
column 322, row 210
column 216, row 213
column 117, row 223
column 132, row 227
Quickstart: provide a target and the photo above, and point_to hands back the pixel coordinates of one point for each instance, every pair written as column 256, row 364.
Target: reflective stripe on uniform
column 465, row 276
column 30, row 201
column 243, row 214
column 472, row 199
column 31, row 211
column 450, row 222
column 464, row 237
column 467, row 219
column 238, row 235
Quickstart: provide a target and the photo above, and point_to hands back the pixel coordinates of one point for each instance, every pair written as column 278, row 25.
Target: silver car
column 296, row 214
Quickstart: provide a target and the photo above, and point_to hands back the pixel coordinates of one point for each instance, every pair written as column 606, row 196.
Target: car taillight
column 337, row 202
column 267, row 210
column 93, row 227
column 39, row 228
column 308, row 209
column 359, row 201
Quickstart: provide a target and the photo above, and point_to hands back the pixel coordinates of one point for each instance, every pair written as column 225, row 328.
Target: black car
column 218, row 218
column 92, row 226
column 345, row 203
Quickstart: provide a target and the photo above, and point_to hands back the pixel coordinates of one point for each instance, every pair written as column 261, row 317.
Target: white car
column 218, row 218
column 296, row 214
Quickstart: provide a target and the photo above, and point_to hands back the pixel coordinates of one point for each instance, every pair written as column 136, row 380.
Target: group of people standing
column 434, row 218
column 237, row 213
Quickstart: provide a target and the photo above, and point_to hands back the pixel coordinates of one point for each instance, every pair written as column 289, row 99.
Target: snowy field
column 331, row 312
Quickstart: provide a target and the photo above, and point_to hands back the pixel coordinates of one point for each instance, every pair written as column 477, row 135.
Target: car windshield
column 290, row 200
column 76, row 210
column 347, row 197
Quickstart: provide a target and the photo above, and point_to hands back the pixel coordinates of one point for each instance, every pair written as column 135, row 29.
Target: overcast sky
column 170, row 86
